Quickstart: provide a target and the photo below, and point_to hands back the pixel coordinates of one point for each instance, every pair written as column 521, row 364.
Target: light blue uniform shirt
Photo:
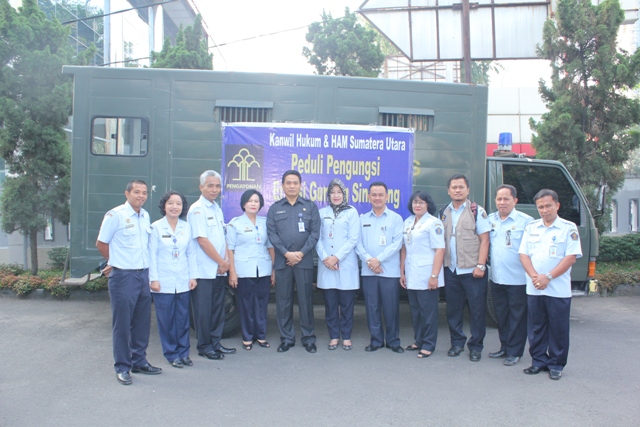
column 482, row 226
column 173, row 256
column 546, row 247
column 127, row 234
column 506, row 235
column 421, row 241
column 339, row 237
column 250, row 246
column 381, row 238
column 206, row 220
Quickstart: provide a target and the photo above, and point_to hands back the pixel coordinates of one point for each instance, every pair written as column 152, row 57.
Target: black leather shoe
column 147, row 370
column 475, row 355
column 224, row 350
column 511, row 360
column 498, row 354
column 371, row 348
column 455, row 351
column 397, row 349
column 285, row 346
column 177, row 363
column 311, row 348
column 212, row 355
column 124, row 378
column 186, row 361
column 555, row 374
column 535, row 370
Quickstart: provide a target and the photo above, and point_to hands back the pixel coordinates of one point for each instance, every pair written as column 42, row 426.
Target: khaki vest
column 467, row 241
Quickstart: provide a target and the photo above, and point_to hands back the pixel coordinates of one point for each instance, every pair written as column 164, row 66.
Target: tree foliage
column 343, row 47
column 35, row 102
column 190, row 52
column 589, row 114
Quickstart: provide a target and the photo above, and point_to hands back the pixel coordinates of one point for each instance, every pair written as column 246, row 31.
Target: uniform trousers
column 208, row 310
column 424, row 316
column 172, row 313
column 303, row 278
column 131, row 322
column 253, row 302
column 338, row 309
column 382, row 297
column 458, row 288
column 510, row 303
column 548, row 330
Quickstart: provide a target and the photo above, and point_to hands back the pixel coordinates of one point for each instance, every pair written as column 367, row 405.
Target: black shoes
column 397, row 349
column 285, row 346
column 475, row 355
column 212, row 355
column 371, row 348
column 123, row 378
column 177, row 363
column 511, row 360
column 311, row 348
column 224, row 350
column 554, row 374
column 147, row 370
column 186, row 361
column 498, row 354
column 455, row 351
column 535, row 370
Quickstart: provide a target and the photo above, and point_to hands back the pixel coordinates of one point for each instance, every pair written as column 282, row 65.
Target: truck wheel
column 491, row 309
column 231, row 314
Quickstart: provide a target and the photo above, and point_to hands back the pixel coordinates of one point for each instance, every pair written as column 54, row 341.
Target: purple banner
column 255, row 155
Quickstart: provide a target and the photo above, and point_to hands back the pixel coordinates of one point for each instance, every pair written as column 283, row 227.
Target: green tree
column 35, row 102
column 480, row 71
column 587, row 124
column 190, row 52
column 343, row 47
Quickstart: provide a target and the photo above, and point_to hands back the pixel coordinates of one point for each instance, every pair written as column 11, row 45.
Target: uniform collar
column 384, row 212
column 131, row 211
column 556, row 223
column 207, row 203
column 165, row 225
column 511, row 215
column 462, row 206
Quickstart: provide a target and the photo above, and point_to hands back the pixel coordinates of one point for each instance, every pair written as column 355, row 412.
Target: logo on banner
column 243, row 167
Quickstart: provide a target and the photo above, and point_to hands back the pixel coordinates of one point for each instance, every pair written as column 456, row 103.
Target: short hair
column 291, row 172
column 457, row 176
column 378, row 184
column 135, row 181
column 207, row 174
column 247, row 195
column 544, row 193
column 426, row 197
column 511, row 188
column 165, row 198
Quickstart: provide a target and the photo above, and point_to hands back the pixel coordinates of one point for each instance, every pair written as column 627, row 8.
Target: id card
column 383, row 240
column 175, row 253
column 553, row 251
column 301, row 227
column 258, row 237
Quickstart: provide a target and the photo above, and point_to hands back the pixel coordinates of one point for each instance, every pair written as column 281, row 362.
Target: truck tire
column 231, row 314
column 491, row 309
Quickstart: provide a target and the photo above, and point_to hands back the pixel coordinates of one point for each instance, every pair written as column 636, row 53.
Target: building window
column 417, row 119
column 614, row 216
column 242, row 111
column 633, row 215
column 119, row 136
column 48, row 229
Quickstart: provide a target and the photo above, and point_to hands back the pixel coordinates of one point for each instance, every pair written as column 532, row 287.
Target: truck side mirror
column 602, row 196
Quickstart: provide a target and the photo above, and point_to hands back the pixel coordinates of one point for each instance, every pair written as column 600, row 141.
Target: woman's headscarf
column 342, row 206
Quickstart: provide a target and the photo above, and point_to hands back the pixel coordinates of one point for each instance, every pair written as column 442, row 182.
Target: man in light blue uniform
column 508, row 277
column 550, row 246
column 207, row 227
column 379, row 250
column 124, row 241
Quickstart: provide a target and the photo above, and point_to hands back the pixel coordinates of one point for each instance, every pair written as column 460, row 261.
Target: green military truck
column 165, row 127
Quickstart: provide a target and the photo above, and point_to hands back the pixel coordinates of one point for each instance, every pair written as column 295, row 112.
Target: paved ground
column 56, row 370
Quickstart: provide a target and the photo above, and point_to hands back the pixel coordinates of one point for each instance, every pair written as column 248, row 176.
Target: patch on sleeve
column 438, row 231
column 484, row 214
column 574, row 235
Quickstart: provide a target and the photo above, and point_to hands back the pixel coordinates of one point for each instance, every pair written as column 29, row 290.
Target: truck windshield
column 529, row 179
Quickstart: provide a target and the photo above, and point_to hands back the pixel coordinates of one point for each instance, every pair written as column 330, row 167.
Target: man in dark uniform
column 293, row 226
column 124, row 241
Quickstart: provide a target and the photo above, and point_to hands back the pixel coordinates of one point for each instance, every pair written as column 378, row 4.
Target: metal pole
column 466, row 40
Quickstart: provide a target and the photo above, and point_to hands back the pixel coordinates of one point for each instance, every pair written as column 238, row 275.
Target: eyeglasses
column 418, row 202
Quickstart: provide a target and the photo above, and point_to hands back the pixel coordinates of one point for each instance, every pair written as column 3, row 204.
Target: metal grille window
column 242, row 111
column 419, row 120
column 119, row 136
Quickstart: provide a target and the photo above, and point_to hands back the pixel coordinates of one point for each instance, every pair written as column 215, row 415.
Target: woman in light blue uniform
column 172, row 275
column 338, row 274
column 421, row 259
column 251, row 258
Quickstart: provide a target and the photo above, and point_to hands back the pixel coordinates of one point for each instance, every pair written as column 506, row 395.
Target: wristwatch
column 481, row 267
column 433, row 276
column 549, row 276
